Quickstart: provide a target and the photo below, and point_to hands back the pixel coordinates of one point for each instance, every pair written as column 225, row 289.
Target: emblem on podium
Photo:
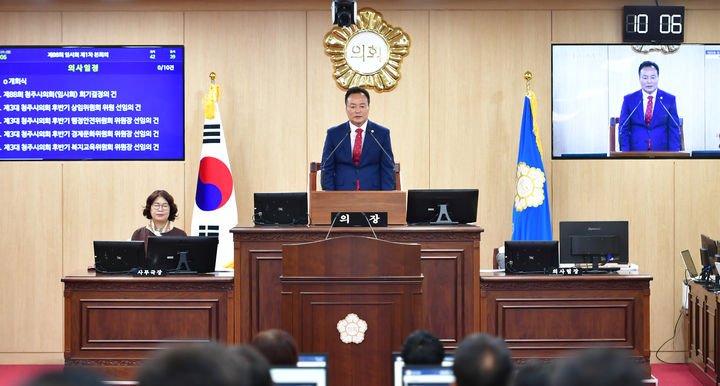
column 352, row 329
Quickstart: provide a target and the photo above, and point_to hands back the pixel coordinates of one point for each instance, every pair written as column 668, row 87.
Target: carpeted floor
column 666, row 374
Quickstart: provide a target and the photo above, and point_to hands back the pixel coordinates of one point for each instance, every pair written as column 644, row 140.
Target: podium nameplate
column 323, row 204
column 359, row 219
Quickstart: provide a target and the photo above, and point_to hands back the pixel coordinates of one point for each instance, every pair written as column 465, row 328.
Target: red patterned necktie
column 357, row 149
column 648, row 111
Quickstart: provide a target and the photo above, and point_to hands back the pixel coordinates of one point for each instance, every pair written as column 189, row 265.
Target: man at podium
column 357, row 154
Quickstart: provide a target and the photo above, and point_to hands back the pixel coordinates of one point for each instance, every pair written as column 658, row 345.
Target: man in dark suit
column 649, row 119
column 357, row 154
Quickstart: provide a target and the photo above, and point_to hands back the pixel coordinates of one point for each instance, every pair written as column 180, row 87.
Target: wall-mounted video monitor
column 92, row 103
column 591, row 84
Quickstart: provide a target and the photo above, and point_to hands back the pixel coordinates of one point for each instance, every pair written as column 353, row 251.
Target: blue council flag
column 531, row 210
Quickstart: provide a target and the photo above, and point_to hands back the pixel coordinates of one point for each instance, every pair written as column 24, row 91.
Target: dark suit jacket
column 663, row 131
column 375, row 170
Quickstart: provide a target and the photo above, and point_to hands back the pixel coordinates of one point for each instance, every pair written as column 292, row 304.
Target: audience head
column 533, row 373
column 598, row 367
column 482, row 360
column 193, row 365
column 253, row 364
column 67, row 377
column 422, row 348
column 278, row 347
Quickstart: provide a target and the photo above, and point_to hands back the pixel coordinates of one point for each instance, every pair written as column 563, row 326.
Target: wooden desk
column 113, row 322
column 550, row 316
column 703, row 323
column 450, row 263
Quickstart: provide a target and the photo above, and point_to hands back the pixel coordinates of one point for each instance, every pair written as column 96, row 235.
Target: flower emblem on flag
column 529, row 192
column 352, row 329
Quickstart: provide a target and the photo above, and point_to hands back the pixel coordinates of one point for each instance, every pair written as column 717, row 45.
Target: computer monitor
column 399, row 365
column 531, row 256
column 118, row 256
column 182, row 254
column 689, row 264
column 441, row 206
column 312, row 359
column 287, row 208
column 299, row 376
column 596, row 242
column 428, row 375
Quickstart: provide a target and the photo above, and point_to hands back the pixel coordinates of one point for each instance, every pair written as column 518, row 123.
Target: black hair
column 422, row 348
column 171, row 203
column 278, row 347
column 193, row 365
column 357, row 90
column 648, row 63
column 253, row 364
column 482, row 360
column 599, row 367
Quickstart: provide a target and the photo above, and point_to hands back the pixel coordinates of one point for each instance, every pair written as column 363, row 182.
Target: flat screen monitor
column 182, row 254
column 118, row 256
column 708, row 253
column 287, row 208
column 531, row 256
column 582, row 106
column 441, row 206
column 92, row 103
column 709, row 244
column 428, row 375
column 594, row 242
column 689, row 263
column 399, row 365
column 299, row 376
column 312, row 359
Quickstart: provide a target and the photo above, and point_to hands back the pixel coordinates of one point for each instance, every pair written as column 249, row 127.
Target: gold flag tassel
column 211, row 98
column 533, row 107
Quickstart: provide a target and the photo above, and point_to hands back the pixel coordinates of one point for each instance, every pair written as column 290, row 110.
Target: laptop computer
column 118, row 256
column 531, row 256
column 689, row 263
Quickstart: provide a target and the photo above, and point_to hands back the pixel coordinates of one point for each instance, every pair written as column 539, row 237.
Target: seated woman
column 160, row 208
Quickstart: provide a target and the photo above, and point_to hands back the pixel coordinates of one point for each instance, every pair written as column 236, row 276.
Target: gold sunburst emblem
column 367, row 54
column 530, row 183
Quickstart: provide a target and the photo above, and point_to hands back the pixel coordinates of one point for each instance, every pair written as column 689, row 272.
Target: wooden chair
column 615, row 120
column 315, row 167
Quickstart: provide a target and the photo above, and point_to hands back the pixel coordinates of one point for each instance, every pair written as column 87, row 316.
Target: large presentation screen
column 92, row 103
column 589, row 83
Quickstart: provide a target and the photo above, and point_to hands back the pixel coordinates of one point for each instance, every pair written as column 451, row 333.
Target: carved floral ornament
column 352, row 329
column 367, row 54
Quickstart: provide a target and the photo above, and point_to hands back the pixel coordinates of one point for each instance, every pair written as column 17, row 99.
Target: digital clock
column 643, row 24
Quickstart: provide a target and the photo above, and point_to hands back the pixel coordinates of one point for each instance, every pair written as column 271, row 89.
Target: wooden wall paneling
column 404, row 110
column 131, row 28
column 640, row 191
column 587, row 26
column 30, row 259
column 260, row 61
column 19, row 28
column 476, row 104
column 104, row 201
column 701, row 25
column 695, row 203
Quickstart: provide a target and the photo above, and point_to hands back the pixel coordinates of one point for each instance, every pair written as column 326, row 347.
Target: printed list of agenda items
column 116, row 103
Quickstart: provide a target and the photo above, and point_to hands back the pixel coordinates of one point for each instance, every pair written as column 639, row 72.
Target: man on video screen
column 649, row 119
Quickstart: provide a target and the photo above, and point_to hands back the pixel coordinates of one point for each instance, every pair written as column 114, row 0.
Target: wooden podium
column 356, row 298
column 323, row 204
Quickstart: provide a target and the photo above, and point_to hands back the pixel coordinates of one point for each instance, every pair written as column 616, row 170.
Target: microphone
column 322, row 166
column 629, row 116
column 372, row 133
column 668, row 112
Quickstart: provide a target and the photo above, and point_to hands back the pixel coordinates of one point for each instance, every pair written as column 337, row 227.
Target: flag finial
column 528, row 77
column 212, row 77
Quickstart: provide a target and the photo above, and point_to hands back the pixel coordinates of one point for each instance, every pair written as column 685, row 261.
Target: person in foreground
column 278, row 347
column 161, row 210
column 482, row 360
column 422, row 348
column 357, row 154
column 648, row 119
column 598, row 367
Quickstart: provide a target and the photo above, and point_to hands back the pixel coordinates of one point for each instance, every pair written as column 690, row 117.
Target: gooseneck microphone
column 626, row 121
column 322, row 166
column 668, row 112
column 372, row 133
